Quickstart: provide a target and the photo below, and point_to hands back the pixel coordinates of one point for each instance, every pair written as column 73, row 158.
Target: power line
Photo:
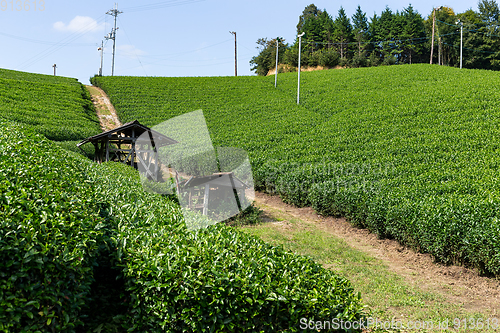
column 205, row 65
column 394, row 40
column 186, row 52
column 44, row 42
column 135, row 53
column 475, row 30
column 160, row 5
column 57, row 46
column 473, row 50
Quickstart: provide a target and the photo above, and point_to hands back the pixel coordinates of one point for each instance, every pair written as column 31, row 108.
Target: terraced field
column 410, row 152
column 55, row 106
column 83, row 248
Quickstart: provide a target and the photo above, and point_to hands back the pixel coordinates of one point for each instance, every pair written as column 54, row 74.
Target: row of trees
column 391, row 38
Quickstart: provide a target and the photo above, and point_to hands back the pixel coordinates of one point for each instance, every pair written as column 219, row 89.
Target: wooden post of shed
column 107, row 147
column 205, row 199
column 133, row 149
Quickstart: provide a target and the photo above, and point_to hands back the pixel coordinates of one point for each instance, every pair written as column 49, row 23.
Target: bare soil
column 288, row 68
column 105, row 110
column 457, row 284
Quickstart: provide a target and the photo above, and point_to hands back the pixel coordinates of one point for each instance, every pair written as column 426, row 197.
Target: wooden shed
column 201, row 189
column 128, row 145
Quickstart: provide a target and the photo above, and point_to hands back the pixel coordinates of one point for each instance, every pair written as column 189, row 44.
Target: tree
column 482, row 42
column 342, row 32
column 383, row 32
column 309, row 12
column 413, row 32
column 326, row 26
column 266, row 59
column 360, row 27
column 488, row 12
column 317, row 26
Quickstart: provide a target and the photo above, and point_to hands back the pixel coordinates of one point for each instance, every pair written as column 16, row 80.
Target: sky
column 159, row 38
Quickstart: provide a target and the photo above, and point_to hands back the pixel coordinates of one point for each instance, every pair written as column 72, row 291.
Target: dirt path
column 105, row 110
column 456, row 284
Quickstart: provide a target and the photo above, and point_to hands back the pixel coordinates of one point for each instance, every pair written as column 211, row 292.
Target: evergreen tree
column 485, row 42
column 310, row 12
column 413, row 34
column 472, row 41
column 360, row 28
column 400, row 37
column 489, row 12
column 326, row 25
column 383, row 33
column 342, row 34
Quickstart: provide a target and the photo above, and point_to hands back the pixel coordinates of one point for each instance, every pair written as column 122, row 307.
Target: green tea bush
column 433, row 132
column 217, row 279
column 57, row 107
column 84, row 248
column 222, row 280
column 49, row 234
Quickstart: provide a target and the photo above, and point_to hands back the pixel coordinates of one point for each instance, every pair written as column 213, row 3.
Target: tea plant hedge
column 59, row 108
column 410, row 152
column 84, row 248
column 49, row 234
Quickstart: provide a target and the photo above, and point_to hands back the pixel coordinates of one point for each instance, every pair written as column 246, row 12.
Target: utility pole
column 433, row 27
column 102, row 50
column 298, row 86
column 276, row 75
column 461, row 38
column 439, row 50
column 235, row 57
column 113, row 12
column 54, row 65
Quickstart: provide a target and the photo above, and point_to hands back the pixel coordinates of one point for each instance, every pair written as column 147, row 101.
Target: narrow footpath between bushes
column 105, row 110
column 396, row 283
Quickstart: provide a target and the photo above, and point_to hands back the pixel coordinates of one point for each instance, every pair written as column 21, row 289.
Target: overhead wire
column 394, row 40
column 167, row 56
column 31, row 40
column 50, row 50
column 56, row 46
column 160, row 5
column 134, row 50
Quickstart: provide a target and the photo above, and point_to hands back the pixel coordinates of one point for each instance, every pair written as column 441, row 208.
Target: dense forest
column 389, row 38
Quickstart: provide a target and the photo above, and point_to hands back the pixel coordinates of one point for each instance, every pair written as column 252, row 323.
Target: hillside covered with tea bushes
column 83, row 248
column 410, row 152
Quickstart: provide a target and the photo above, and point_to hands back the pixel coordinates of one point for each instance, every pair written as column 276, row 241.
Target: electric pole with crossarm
column 112, row 35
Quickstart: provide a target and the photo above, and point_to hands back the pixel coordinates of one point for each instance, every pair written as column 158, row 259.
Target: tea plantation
column 84, row 249
column 410, row 152
column 58, row 107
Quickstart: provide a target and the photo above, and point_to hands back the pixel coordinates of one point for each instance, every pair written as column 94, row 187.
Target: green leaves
column 47, row 237
column 59, row 108
column 409, row 152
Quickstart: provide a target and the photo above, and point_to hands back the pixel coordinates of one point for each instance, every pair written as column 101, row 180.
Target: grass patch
column 388, row 295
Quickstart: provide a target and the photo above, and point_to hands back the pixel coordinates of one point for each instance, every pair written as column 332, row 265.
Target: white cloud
column 129, row 51
column 79, row 24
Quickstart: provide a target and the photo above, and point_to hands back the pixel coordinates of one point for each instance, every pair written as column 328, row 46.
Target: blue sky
column 158, row 38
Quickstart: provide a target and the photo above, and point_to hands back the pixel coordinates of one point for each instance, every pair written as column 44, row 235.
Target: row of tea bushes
column 60, row 108
column 408, row 137
column 65, row 220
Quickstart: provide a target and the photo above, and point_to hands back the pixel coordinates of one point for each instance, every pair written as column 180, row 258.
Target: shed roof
column 215, row 179
column 126, row 130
